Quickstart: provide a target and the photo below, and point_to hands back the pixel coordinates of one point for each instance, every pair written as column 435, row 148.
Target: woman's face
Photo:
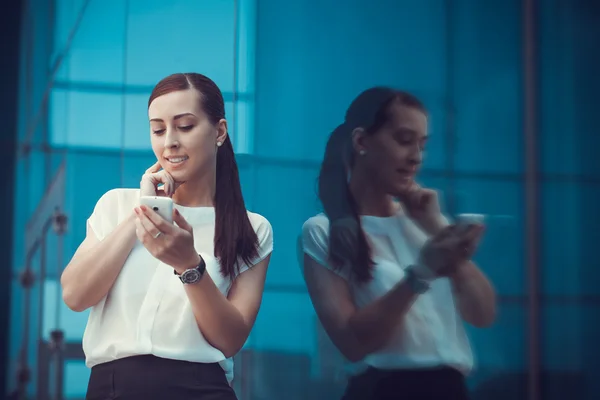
column 183, row 139
column 393, row 155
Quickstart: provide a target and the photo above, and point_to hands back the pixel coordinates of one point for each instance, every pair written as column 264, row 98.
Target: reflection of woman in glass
column 391, row 279
column 172, row 303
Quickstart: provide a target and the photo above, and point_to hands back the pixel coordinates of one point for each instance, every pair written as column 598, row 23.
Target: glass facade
column 288, row 70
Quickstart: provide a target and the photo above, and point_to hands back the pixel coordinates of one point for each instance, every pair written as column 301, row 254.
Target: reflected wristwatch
column 416, row 284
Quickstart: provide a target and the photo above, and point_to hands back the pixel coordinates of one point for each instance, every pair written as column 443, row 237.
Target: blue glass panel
column 487, row 96
column 180, row 36
column 568, row 238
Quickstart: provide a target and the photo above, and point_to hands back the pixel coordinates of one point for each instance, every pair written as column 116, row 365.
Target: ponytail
column 235, row 238
column 348, row 246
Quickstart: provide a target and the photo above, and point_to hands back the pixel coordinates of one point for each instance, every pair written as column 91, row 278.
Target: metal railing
column 48, row 218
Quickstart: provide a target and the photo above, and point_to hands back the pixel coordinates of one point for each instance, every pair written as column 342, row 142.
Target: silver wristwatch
column 416, row 284
column 192, row 275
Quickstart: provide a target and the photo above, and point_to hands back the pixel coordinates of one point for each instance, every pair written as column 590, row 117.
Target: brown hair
column 235, row 237
column 348, row 246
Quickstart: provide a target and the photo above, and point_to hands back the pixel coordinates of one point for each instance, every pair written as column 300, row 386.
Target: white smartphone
column 163, row 206
column 466, row 219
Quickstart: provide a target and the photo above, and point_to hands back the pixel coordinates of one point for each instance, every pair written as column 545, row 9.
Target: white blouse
column 147, row 310
column 432, row 333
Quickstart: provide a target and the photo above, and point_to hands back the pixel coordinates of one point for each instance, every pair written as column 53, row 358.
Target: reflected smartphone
column 163, row 206
column 467, row 219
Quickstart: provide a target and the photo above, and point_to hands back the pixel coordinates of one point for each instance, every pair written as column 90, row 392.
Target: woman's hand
column 474, row 233
column 423, row 206
column 155, row 176
column 443, row 254
column 169, row 243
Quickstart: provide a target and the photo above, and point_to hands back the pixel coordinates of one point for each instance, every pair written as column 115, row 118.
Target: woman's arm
column 96, row 264
column 355, row 332
column 226, row 322
column 359, row 332
column 474, row 294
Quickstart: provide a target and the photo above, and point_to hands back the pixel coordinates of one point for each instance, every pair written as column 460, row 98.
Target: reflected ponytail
column 348, row 246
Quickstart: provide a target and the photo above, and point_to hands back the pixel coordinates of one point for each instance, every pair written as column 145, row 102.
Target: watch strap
column 200, row 268
column 417, row 284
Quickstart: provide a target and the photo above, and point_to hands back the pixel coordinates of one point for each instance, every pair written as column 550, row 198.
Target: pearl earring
column 219, row 144
column 362, row 152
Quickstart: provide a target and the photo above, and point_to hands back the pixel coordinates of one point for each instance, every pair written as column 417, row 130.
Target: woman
column 383, row 267
column 149, row 334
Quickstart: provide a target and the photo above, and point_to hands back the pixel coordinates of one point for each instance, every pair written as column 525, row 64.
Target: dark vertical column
column 450, row 109
column 532, row 198
column 50, row 25
column 10, row 31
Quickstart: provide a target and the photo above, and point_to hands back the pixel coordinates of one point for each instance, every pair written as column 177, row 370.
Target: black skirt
column 414, row 384
column 148, row 377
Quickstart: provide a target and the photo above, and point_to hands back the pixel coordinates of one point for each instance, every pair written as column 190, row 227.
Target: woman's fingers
column 464, row 240
column 447, row 233
column 160, row 178
column 154, row 168
column 171, row 184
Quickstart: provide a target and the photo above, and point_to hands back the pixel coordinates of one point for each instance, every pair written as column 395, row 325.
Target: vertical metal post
column 42, row 366
column 57, row 336
column 57, row 339
column 450, row 113
column 27, row 279
column 530, row 125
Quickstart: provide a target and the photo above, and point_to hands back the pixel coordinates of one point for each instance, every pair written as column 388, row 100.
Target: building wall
column 288, row 71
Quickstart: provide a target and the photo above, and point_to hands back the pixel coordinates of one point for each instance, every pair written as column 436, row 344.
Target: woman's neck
column 369, row 199
column 197, row 193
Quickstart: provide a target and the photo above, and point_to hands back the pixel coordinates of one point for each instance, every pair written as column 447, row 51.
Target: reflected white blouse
column 147, row 310
column 433, row 333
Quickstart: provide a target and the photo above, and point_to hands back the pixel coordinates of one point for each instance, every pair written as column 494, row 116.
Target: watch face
column 191, row 276
column 417, row 285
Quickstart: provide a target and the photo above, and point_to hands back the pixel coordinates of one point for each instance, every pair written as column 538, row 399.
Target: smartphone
column 163, row 206
column 467, row 219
